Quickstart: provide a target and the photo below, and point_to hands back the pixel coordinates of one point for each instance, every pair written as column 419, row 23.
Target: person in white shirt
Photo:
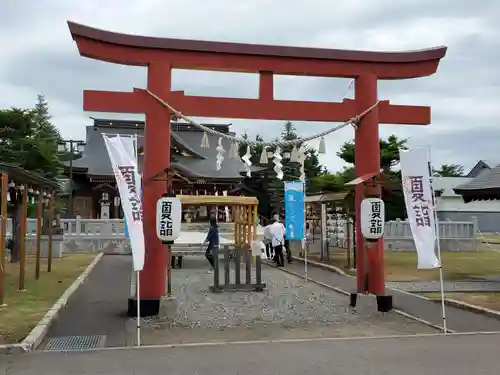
column 267, row 242
column 277, row 234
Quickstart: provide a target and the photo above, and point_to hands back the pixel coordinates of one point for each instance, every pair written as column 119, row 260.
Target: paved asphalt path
column 99, row 306
column 459, row 320
column 429, row 355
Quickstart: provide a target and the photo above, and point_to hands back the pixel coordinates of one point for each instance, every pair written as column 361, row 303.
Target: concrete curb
column 328, row 267
column 469, row 307
column 37, row 334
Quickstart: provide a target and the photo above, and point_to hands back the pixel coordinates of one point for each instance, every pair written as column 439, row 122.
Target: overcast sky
column 39, row 56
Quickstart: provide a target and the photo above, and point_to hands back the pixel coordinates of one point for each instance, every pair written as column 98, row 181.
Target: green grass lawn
column 24, row 309
column 402, row 266
column 490, row 238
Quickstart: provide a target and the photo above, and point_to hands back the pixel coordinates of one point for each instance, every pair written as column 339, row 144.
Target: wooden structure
column 343, row 202
column 161, row 55
column 17, row 186
column 245, row 218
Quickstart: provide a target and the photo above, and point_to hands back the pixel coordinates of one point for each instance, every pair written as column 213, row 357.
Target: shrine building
column 95, row 194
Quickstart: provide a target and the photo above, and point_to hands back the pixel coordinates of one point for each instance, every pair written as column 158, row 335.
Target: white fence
column 81, row 227
column 397, row 229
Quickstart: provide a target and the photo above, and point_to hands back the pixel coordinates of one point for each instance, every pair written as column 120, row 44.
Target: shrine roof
column 485, row 186
column 138, row 41
column 445, row 185
column 194, row 161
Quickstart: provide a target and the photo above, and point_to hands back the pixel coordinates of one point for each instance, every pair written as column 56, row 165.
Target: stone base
column 384, row 303
column 109, row 245
column 166, row 306
column 148, row 307
column 57, row 248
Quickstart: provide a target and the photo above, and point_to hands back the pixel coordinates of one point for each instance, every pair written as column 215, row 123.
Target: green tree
column 28, row 140
column 389, row 151
column 389, row 158
column 289, row 132
column 46, row 136
column 269, row 189
column 449, row 170
column 333, row 182
column 16, row 135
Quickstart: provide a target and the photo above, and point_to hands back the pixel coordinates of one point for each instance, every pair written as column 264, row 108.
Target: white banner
column 419, row 204
column 121, row 153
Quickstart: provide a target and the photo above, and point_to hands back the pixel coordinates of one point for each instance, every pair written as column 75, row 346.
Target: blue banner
column 294, row 210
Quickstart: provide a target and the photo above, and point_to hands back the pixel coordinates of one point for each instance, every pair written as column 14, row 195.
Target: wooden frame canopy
column 25, row 177
column 245, row 214
column 327, row 197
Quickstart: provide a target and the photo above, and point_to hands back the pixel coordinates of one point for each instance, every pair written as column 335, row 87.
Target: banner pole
column 438, row 244
column 304, row 241
column 305, row 262
column 138, row 308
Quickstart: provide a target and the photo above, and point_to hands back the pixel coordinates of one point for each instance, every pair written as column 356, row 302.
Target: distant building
column 461, row 198
column 482, row 165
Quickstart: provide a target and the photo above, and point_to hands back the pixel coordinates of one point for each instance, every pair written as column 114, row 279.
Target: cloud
column 39, row 56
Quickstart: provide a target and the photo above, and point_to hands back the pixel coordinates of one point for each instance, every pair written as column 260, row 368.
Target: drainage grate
column 69, row 343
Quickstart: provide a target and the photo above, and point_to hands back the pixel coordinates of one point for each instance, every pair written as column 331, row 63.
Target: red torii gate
column 161, row 55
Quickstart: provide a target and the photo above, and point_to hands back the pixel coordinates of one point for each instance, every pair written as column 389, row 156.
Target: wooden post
column 258, row 259
column 241, row 211
column 245, row 240
column 39, row 210
column 3, row 232
column 169, row 271
column 22, row 238
column 249, row 226
column 235, row 219
column 243, row 222
column 255, row 221
column 51, row 232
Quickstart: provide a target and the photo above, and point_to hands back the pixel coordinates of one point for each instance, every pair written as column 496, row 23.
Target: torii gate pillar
column 367, row 161
column 156, row 160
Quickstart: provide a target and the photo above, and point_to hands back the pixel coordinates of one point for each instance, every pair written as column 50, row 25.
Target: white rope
column 352, row 121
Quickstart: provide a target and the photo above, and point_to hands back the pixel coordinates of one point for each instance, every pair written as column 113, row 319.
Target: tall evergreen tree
column 389, row 158
column 268, row 188
column 16, row 136
column 46, row 137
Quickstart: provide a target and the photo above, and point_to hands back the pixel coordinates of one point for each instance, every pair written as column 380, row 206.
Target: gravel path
column 286, row 309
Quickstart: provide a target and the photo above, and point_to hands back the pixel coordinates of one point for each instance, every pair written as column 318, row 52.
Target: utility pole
column 73, row 148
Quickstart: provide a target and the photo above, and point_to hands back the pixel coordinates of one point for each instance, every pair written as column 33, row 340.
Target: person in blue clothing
column 212, row 240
